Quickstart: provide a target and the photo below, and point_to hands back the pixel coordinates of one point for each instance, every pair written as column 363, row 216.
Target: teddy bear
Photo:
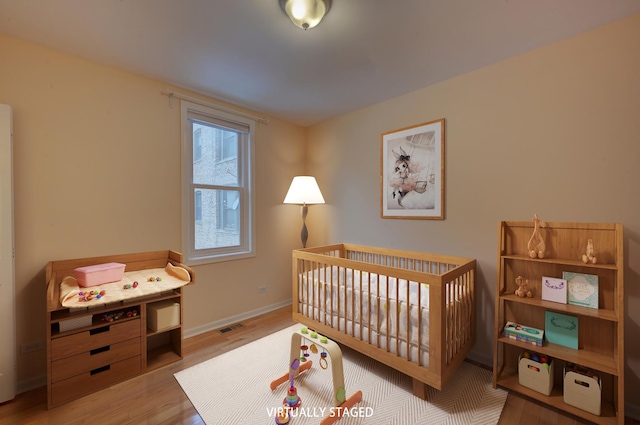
column 523, row 288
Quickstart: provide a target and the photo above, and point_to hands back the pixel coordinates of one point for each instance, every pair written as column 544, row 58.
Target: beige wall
column 97, row 172
column 555, row 132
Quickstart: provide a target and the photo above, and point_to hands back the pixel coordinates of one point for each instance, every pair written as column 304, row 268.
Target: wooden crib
column 414, row 312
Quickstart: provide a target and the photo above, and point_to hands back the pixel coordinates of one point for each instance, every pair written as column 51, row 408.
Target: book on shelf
column 561, row 329
column 554, row 289
column 582, row 289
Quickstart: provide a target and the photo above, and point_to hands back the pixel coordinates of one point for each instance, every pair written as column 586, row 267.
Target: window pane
column 197, row 147
column 215, row 158
column 219, row 225
column 198, row 205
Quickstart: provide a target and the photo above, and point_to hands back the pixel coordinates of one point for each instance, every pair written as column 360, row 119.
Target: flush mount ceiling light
column 305, row 14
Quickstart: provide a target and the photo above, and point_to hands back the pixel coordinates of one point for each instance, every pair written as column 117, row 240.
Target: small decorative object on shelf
column 525, row 334
column 536, row 245
column 589, row 257
column 523, row 287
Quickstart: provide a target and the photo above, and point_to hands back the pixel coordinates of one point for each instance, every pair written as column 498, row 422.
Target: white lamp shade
column 304, row 190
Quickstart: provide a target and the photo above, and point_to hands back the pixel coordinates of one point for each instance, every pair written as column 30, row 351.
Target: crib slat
column 408, row 326
column 419, row 324
column 328, row 291
column 369, row 301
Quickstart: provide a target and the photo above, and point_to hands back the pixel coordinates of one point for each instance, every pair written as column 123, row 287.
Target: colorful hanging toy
column 323, row 360
column 305, row 354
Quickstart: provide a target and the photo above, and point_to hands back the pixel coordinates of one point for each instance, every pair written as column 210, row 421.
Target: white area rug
column 233, row 388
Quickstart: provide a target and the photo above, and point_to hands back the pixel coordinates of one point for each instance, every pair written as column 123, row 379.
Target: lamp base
column 304, row 234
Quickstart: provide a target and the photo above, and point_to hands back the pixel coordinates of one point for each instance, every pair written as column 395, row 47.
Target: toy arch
column 337, row 371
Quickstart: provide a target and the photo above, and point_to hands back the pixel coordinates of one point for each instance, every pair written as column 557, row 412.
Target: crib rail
column 410, row 309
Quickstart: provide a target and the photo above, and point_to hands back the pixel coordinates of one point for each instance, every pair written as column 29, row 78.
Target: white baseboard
column 188, row 333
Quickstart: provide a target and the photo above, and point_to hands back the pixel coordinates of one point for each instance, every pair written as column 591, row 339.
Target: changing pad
column 149, row 282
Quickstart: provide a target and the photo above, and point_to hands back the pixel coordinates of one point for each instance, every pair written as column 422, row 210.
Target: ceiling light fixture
column 305, row 14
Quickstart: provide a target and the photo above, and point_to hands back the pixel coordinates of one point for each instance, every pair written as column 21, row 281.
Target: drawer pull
column 99, row 330
column 100, row 350
column 100, row 369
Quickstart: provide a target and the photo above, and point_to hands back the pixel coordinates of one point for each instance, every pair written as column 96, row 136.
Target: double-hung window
column 217, row 192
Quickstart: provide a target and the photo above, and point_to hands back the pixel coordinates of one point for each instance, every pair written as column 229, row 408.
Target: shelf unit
column 86, row 353
column 601, row 330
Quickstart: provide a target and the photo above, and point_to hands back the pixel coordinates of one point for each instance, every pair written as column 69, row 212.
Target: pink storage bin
column 99, row 274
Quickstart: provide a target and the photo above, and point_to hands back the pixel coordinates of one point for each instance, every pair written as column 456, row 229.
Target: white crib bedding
column 366, row 334
column 378, row 319
column 329, row 294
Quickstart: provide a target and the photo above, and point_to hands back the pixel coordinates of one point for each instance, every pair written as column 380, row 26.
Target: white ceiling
column 247, row 52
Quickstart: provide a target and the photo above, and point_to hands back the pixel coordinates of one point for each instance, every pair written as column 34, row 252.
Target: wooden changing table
column 85, row 353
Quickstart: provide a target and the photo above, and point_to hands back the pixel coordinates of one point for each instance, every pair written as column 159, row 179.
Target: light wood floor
column 156, row 397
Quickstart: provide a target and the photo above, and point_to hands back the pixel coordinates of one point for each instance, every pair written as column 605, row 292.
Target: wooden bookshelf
column 600, row 331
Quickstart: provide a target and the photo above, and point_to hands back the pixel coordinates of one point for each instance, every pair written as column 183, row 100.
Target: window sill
column 218, row 258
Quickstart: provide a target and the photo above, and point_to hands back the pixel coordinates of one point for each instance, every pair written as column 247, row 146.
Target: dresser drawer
column 95, row 338
column 85, row 383
column 94, row 359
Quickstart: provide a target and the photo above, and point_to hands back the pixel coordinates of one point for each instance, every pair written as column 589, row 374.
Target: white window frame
column 246, row 248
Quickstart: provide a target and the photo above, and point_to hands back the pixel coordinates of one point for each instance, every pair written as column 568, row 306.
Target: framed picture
column 412, row 172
